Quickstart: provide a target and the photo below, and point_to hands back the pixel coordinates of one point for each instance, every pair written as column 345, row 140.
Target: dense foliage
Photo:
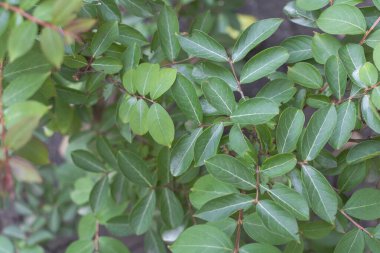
column 161, row 139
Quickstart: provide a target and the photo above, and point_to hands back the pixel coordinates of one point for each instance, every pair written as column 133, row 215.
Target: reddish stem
column 369, row 31
column 355, row 223
column 238, row 231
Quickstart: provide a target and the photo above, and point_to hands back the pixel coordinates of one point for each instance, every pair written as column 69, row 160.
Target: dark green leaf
column 336, row 76
column 306, row 75
column 219, row 95
column 99, row 194
column 171, row 208
column 207, row 144
column 255, row 111
column 104, row 37
column 370, row 114
column 363, row 151
column 168, row 27
column 142, row 213
column 345, row 124
column 352, row 242
column 278, row 90
column 324, row 46
column 364, row 204
column 21, row 39
column 299, row 48
column 87, row 161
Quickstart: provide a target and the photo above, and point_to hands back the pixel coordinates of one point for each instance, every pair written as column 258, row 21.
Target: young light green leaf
column 107, row 33
column 321, row 196
column 289, row 129
column 336, row 76
column 368, row 74
column 166, row 79
column 299, row 48
column 146, row 77
column 318, row 132
column 131, row 57
column 263, row 64
column 306, row 75
column 258, row 247
column 253, row 36
column 138, row 117
column 87, row 161
column 160, row 125
column 376, row 56
column 207, row 144
column 125, row 107
column 375, row 97
column 168, row 27
column 99, row 194
column 81, row 246
column 351, row 242
column 52, row 46
column 201, row 45
column 278, row 165
column 141, row 216
column 370, row 114
column 219, row 95
column 324, row 46
column 255, row 111
column 278, row 90
column 128, row 79
column 310, row 5
column 6, row 245
column 346, row 121
column 171, row 208
column 364, row 204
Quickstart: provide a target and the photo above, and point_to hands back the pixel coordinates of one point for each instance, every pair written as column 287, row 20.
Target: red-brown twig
column 369, row 31
column 238, row 231
column 96, row 237
column 236, row 78
column 355, row 223
column 331, row 2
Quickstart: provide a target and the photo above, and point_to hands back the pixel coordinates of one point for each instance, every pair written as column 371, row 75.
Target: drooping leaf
column 52, row 46
column 255, row 111
column 219, row 95
column 160, row 125
column 141, row 216
column 167, row 27
column 99, row 194
column 345, row 123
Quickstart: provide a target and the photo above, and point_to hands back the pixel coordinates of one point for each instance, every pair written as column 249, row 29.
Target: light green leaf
column 364, row 204
column 342, row 19
column 6, row 245
column 253, row 36
column 107, row 33
column 201, row 45
column 350, row 2
column 289, row 129
column 21, row 39
column 138, row 117
column 346, row 121
column 324, row 46
column 141, row 216
column 166, row 79
column 255, row 111
column 294, row 247
column 352, row 242
column 64, row 11
column 311, row 5
column 299, row 48
column 278, row 90
column 370, row 114
column 131, row 57
column 368, row 74
column 21, row 132
column 321, row 196
column 128, row 79
column 145, row 77
column 111, row 245
column 219, row 95
column 108, row 65
column 375, row 97
column 230, row 170
column 87, row 161
column 81, row 246
column 318, row 132
column 306, row 75
column 171, row 209
column 258, row 247
column 52, row 46
column 99, row 194
column 199, row 238
column 278, row 165
column 263, row 64
column 125, row 107
column 168, row 27
column 336, row 76
column 207, row 144
column 160, row 125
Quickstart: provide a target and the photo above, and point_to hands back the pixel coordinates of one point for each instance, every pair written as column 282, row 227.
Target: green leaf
column 368, row 74
column 141, row 216
column 321, row 196
column 21, row 39
column 352, row 176
column 168, row 27
column 352, row 56
column 108, row 244
column 299, row 48
column 87, row 227
column 125, row 107
column 106, row 152
column 87, row 161
column 345, row 124
column 135, row 169
column 318, row 132
column 289, row 129
column 128, row 81
column 131, row 57
column 364, row 204
column 129, row 36
column 306, row 75
column 316, row 229
column 263, row 64
column 224, row 206
column 186, row 98
column 52, row 46
column 207, row 188
column 258, row 247
column 166, row 79
column 336, row 76
column 99, row 194
column 81, row 246
column 253, row 36
column 108, row 65
column 352, row 242
column 294, row 247
column 138, row 117
column 311, row 5
column 278, row 90
column 21, row 132
column 171, row 209
column 278, row 165
column 363, row 151
column 324, row 46
column 6, row 245
column 207, row 144
column 146, row 77
column 373, row 39
column 277, row 219
column 219, row 95
column 138, row 8
column 201, row 237
column 160, row 125
column 183, row 153
column 230, row 170
column 375, row 97
column 153, row 243
column 24, row 171
column 376, row 56
column 205, row 70
column 370, row 114
column 201, row 45
column 64, row 11
column 300, row 16
column 107, row 33
column 255, row 111
column 342, row 19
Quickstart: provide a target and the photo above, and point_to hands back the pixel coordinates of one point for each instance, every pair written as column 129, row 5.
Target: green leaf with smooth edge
column 129, row 36
column 63, row 11
column 131, row 57
column 87, row 227
column 363, row 151
column 318, row 132
column 351, row 242
column 289, row 199
column 138, row 117
column 321, row 196
column 135, row 169
column 316, row 229
column 207, row 144
column 253, row 36
column 376, row 56
column 263, row 64
column 142, row 213
column 21, row 132
column 75, row 61
column 23, row 88
column 232, row 171
column 125, row 107
column 128, row 79
column 376, row 3
column 375, row 97
column 145, row 77
column 299, row 48
column 364, row 204
column 207, row 188
column 108, row 244
column 107, row 33
column 4, row 20
column 370, row 114
column 306, row 74
column 22, row 110
column 201, row 45
column 239, row 143
column 160, row 125
column 278, row 165
column 105, row 150
column 168, row 27
column 373, row 39
column 153, row 243
column 186, row 98
column 350, row 2
column 278, row 90
column 255, row 111
column 201, row 238
column 99, row 194
column 87, row 161
column 301, row 17
column 171, row 208
column 139, row 8
column 294, row 247
column 342, row 19
column 81, row 246
column 345, row 124
column 6, row 245
column 353, row 57
column 324, row 46
column 108, row 65
column 277, row 219
column 224, row 206
column 166, row 79
column 219, row 95
column 368, row 74
column 21, row 39
column 52, row 46
column 336, row 76
column 183, row 153
column 258, row 247
column 310, row 5
column 205, row 70
column 352, row 176
column 289, row 129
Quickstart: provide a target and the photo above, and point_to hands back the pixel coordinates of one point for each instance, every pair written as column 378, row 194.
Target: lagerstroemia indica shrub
column 169, row 144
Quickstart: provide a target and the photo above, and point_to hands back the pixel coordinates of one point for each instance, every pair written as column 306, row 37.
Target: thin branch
column 369, row 31
column 238, row 231
column 366, row 90
column 257, row 183
column 236, row 78
column 355, row 223
column 96, row 237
